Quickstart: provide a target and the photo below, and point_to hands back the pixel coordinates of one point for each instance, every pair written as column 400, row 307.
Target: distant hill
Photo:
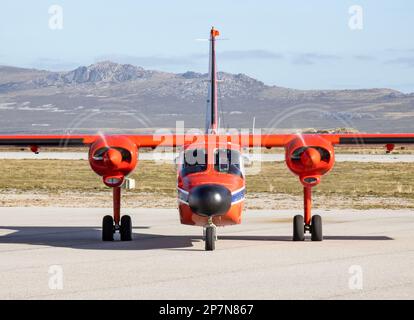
column 110, row 97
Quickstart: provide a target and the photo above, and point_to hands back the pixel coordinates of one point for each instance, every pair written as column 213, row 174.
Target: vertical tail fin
column 211, row 115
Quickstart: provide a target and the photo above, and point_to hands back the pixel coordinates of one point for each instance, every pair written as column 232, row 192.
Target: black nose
column 209, row 200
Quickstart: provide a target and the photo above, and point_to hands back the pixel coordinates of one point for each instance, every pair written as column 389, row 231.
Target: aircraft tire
column 298, row 228
column 210, row 240
column 126, row 228
column 316, row 228
column 107, row 228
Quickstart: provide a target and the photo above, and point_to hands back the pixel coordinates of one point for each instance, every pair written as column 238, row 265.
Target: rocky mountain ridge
column 161, row 98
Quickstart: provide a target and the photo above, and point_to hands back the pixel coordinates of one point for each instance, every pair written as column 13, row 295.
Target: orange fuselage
column 234, row 183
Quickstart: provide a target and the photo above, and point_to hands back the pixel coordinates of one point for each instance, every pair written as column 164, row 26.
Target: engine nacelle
column 310, row 157
column 113, row 158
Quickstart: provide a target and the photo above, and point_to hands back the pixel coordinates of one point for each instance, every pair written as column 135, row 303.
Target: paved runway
column 365, row 254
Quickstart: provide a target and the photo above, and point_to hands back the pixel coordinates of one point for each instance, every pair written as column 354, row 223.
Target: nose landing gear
column 210, row 235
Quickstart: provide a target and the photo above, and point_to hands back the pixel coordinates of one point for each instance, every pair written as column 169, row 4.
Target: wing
column 86, row 140
column 47, row 140
column 246, row 140
column 282, row 140
column 366, row 138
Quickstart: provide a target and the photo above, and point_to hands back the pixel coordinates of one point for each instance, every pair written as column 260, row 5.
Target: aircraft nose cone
column 210, row 199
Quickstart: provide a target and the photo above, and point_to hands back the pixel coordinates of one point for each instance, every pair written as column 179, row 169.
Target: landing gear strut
column 310, row 224
column 112, row 224
column 210, row 235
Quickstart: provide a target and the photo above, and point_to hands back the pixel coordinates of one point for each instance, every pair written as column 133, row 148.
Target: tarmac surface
column 56, row 253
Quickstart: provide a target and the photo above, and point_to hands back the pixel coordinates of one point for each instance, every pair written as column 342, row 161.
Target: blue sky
column 296, row 44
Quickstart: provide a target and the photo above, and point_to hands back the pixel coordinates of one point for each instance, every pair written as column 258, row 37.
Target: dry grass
column 350, row 179
column 58, row 176
column 347, row 179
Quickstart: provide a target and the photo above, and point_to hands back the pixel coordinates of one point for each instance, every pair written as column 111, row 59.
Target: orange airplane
column 211, row 177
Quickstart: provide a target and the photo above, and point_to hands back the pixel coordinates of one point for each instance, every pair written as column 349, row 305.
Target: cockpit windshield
column 194, row 160
column 228, row 161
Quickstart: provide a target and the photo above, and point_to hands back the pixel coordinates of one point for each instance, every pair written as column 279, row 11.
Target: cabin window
column 194, row 160
column 228, row 161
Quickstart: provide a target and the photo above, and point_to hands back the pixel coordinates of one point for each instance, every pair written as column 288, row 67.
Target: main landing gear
column 112, row 224
column 210, row 235
column 306, row 223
